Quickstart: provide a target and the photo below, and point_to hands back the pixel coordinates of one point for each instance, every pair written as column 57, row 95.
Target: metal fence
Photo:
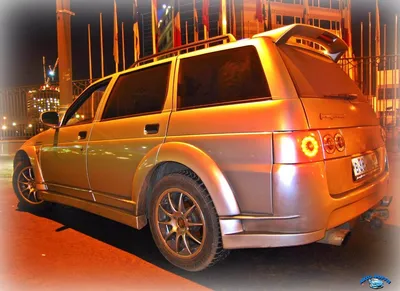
column 377, row 77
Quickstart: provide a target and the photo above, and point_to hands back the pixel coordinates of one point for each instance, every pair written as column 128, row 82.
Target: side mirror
column 50, row 118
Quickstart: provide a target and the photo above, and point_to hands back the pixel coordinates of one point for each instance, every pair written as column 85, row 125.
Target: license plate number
column 364, row 165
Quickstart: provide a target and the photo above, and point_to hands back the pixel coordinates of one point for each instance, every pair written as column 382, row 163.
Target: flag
column 177, row 25
column 154, row 25
column 264, row 13
column 269, row 26
column 377, row 32
column 136, row 36
column 116, row 49
column 196, row 22
column 233, row 11
column 259, row 15
column 206, row 18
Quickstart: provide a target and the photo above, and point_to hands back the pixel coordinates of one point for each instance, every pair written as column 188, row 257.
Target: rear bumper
column 304, row 214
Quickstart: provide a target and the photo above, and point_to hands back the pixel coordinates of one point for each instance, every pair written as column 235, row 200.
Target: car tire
column 25, row 188
column 184, row 222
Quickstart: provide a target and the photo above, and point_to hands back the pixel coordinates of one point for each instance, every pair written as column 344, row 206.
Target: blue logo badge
column 375, row 282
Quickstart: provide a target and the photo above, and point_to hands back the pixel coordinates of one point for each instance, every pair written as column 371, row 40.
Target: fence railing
column 377, row 77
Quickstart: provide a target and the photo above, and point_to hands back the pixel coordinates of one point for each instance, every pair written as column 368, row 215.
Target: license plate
column 364, row 165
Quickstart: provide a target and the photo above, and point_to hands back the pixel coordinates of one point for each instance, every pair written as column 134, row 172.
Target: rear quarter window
column 224, row 77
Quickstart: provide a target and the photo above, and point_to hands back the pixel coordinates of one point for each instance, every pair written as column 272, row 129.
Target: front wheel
column 184, row 222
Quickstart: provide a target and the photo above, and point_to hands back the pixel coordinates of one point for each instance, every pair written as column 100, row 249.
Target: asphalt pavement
column 69, row 249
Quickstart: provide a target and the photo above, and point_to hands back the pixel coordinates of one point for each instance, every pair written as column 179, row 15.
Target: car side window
column 224, row 77
column 138, row 93
column 86, row 106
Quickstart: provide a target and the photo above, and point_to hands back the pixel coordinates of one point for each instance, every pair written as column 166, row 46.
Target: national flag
column 136, row 36
column 377, row 32
column 116, row 48
column 177, row 25
column 259, row 15
column 196, row 22
column 264, row 13
column 205, row 15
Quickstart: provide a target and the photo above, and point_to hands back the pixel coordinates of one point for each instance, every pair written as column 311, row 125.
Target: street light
column 30, row 125
column 4, row 127
column 14, row 124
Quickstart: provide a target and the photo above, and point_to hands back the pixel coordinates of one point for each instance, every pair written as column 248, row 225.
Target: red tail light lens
column 329, row 144
column 339, row 141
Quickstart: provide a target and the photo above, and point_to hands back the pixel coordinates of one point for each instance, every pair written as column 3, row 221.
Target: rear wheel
column 184, row 222
column 25, row 187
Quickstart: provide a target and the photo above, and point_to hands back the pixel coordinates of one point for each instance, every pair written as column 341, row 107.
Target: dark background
column 28, row 31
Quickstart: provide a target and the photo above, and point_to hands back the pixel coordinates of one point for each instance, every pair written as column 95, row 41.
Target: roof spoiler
column 334, row 45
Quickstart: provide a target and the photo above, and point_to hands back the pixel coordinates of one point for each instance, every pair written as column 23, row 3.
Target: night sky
column 28, row 32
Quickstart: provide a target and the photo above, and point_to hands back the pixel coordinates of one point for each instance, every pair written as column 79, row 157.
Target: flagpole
column 136, row 36
column 186, row 33
column 123, row 46
column 116, row 47
column 396, row 72
column 377, row 54
column 223, row 22
column 370, row 57
column 154, row 22
column 233, row 11
column 385, row 75
column 90, row 55
column 101, row 45
column 195, row 22
column 362, row 57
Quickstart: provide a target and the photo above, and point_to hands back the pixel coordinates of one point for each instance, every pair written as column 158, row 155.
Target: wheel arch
column 30, row 155
column 173, row 157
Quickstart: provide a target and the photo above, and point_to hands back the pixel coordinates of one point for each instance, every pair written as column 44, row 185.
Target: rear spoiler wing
column 334, row 45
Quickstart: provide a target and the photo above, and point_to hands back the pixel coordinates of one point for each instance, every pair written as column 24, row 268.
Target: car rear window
column 317, row 76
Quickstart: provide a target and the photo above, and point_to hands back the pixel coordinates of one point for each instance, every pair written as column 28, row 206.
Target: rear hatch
column 334, row 105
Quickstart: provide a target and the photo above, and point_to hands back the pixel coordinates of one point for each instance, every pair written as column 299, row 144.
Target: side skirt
column 137, row 222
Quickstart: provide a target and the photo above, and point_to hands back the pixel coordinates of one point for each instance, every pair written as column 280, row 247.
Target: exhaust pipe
column 334, row 236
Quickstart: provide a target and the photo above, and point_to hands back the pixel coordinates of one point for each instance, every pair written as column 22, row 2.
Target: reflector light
column 339, row 141
column 309, row 146
column 329, row 144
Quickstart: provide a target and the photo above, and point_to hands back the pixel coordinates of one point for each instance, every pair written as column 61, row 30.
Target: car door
column 63, row 158
column 134, row 121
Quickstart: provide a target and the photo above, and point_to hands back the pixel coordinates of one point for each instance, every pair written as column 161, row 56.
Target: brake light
column 309, row 146
column 297, row 147
column 339, row 142
column 329, row 144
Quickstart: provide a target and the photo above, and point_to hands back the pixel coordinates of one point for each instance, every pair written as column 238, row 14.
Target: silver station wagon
column 223, row 144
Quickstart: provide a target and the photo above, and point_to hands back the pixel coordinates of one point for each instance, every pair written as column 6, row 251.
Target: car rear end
column 333, row 170
column 338, row 168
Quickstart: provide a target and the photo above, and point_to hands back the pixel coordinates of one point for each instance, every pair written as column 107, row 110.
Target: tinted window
column 326, row 24
column 137, row 93
column 227, row 76
column 84, row 110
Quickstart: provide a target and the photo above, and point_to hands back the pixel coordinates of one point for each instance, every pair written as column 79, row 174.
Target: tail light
column 339, row 142
column 329, row 144
column 297, row 147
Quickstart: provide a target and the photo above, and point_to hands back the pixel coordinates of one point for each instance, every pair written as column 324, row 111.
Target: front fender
column 208, row 171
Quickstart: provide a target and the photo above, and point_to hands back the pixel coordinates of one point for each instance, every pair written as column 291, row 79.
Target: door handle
column 151, row 128
column 82, row 135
